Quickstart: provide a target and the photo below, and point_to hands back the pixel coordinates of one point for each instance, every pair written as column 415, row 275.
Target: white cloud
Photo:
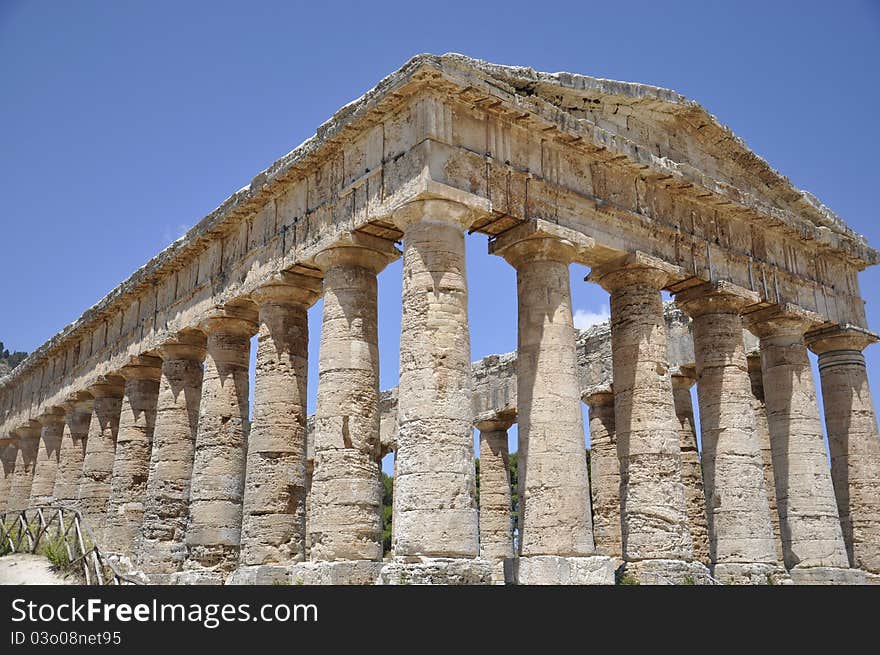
column 584, row 318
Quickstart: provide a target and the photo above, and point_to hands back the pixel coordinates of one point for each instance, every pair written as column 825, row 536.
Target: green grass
column 55, row 551
column 628, row 580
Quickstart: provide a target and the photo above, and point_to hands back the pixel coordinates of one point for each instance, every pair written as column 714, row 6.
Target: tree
column 387, row 512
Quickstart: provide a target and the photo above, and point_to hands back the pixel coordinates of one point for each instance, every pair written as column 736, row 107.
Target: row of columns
column 174, row 475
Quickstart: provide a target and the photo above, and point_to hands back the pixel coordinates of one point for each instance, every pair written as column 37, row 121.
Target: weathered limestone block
column 274, row 506
column 554, row 570
column 346, row 492
column 437, row 571
column 8, row 453
column 604, row 473
column 733, row 470
column 46, row 466
column 25, row 459
column 435, row 513
column 762, row 429
column 553, row 478
column 131, row 466
column 166, row 507
column 654, row 517
column 213, row 532
column 808, row 518
column 496, row 530
column 691, row 466
column 852, row 439
column 77, row 416
column 94, row 486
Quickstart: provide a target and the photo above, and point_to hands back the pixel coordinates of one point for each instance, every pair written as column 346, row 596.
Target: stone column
column 604, row 473
column 77, row 415
column 162, row 550
column 852, row 439
column 8, row 453
column 496, row 534
column 94, row 486
column 435, row 513
column 273, row 523
column 25, row 459
column 808, row 518
column 756, row 377
column 134, row 442
column 691, row 467
column 654, row 516
column 740, row 536
column 346, row 493
column 553, row 479
column 213, row 534
column 46, row 466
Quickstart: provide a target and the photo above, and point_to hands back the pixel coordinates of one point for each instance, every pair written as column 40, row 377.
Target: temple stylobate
column 138, row 414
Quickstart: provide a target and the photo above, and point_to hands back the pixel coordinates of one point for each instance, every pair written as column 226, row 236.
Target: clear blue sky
column 123, row 123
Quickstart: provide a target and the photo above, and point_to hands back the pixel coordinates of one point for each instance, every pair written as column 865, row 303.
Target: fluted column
column 346, row 493
column 94, row 486
column 25, row 459
column 273, row 522
column 691, row 467
column 134, row 442
column 553, row 478
column 8, row 453
column 654, row 517
column 604, row 473
column 214, row 529
column 762, row 429
column 852, row 439
column 77, row 416
column 46, row 466
column 496, row 533
column 809, row 522
column 435, row 513
column 740, row 534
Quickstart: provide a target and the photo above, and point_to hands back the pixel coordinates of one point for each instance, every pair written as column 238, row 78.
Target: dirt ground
column 28, row 569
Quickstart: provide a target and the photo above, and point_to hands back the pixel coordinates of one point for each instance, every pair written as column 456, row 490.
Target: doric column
column 654, row 517
column 740, row 536
column 435, row 513
column 94, row 485
column 496, row 533
column 852, row 439
column 8, row 453
column 552, row 467
column 162, row 551
column 273, row 522
column 77, row 416
column 214, row 529
column 346, row 493
column 25, row 459
column 46, row 466
column 691, row 467
column 131, row 467
column 756, row 377
column 604, row 472
column 809, row 522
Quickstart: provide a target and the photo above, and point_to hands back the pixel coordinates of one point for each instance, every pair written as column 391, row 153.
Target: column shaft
column 77, row 416
column 214, row 529
column 604, row 474
column 273, row 523
column 435, row 512
column 25, row 459
column 8, row 454
column 496, row 534
column 131, row 466
column 46, row 466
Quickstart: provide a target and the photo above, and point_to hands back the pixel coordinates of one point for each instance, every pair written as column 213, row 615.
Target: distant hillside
column 9, row 360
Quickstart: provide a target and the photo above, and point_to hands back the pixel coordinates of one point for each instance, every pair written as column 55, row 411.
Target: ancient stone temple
column 138, row 414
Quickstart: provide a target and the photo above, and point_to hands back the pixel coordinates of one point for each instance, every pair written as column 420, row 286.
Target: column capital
column 28, row 430
column 840, row 337
column 787, row 319
column 721, row 297
column 187, row 344
column 288, row 288
column 358, row 249
column 683, row 376
column 107, row 386
column 598, row 396
column 494, row 421
column 539, row 240
column 635, row 268
column 51, row 416
column 77, row 403
column 142, row 367
column 235, row 318
column 439, row 210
